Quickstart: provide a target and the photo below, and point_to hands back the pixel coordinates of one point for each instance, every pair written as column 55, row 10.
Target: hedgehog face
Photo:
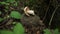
column 28, row 11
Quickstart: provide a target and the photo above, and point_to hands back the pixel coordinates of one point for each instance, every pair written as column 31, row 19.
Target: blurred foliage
column 47, row 31
column 18, row 29
column 5, row 32
column 40, row 7
column 15, row 14
column 1, row 19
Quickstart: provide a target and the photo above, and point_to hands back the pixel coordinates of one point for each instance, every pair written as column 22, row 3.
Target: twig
column 52, row 15
column 46, row 11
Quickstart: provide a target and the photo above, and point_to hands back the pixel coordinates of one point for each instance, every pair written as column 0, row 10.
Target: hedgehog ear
column 25, row 9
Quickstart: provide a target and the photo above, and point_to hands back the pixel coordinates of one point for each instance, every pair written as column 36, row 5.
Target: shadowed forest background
column 47, row 12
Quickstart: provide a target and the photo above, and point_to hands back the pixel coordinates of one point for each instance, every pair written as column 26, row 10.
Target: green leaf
column 11, row 1
column 15, row 14
column 56, row 31
column 18, row 29
column 3, row 2
column 6, row 32
column 15, row 4
column 47, row 31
